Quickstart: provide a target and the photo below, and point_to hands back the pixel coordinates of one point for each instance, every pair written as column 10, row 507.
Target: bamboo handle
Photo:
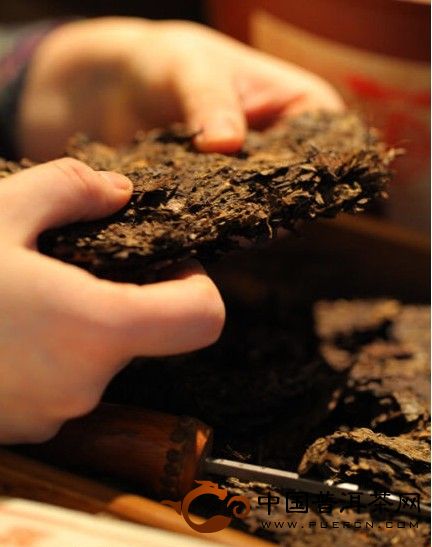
column 25, row 478
column 158, row 452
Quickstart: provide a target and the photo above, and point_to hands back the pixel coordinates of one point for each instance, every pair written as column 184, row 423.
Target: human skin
column 110, row 77
column 64, row 333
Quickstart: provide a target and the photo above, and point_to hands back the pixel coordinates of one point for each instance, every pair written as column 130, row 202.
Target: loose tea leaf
column 383, row 348
column 387, row 346
column 374, row 460
column 186, row 203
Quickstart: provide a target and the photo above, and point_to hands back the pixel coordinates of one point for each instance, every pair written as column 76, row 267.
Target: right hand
column 111, row 76
column 64, row 333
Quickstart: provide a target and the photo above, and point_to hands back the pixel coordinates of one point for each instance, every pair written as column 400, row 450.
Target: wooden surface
column 23, row 477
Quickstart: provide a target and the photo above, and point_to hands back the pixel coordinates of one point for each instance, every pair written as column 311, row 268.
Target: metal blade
column 292, row 481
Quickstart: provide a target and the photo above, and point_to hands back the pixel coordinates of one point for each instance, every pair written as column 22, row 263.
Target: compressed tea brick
column 189, row 204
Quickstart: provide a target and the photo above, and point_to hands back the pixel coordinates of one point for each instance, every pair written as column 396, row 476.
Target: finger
column 265, row 107
column 310, row 92
column 57, row 193
column 25, row 425
column 166, row 318
column 180, row 270
column 271, row 84
column 211, row 105
column 119, row 320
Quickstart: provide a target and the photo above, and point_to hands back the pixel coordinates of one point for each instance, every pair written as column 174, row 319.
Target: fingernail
column 220, row 136
column 223, row 129
column 120, row 182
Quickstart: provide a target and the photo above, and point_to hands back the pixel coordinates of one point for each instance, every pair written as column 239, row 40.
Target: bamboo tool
column 25, row 478
column 165, row 454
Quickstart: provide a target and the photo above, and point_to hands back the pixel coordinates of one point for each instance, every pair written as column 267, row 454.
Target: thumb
column 57, row 193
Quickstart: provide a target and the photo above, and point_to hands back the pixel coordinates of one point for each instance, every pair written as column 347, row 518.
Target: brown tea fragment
column 387, row 347
column 376, row 437
column 374, row 460
column 188, row 204
column 276, row 393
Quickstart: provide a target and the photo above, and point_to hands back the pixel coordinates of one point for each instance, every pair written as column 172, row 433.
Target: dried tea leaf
column 372, row 460
column 186, row 203
column 386, row 347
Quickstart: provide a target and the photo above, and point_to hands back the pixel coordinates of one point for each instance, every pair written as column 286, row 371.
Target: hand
column 64, row 333
column 110, row 77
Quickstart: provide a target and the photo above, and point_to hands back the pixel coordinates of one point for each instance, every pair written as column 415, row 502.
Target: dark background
column 28, row 10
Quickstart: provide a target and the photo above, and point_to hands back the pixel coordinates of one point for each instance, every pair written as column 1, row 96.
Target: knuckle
column 185, row 31
column 80, row 175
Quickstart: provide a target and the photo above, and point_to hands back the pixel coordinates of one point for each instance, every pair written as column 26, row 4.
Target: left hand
column 110, row 77
column 64, row 333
